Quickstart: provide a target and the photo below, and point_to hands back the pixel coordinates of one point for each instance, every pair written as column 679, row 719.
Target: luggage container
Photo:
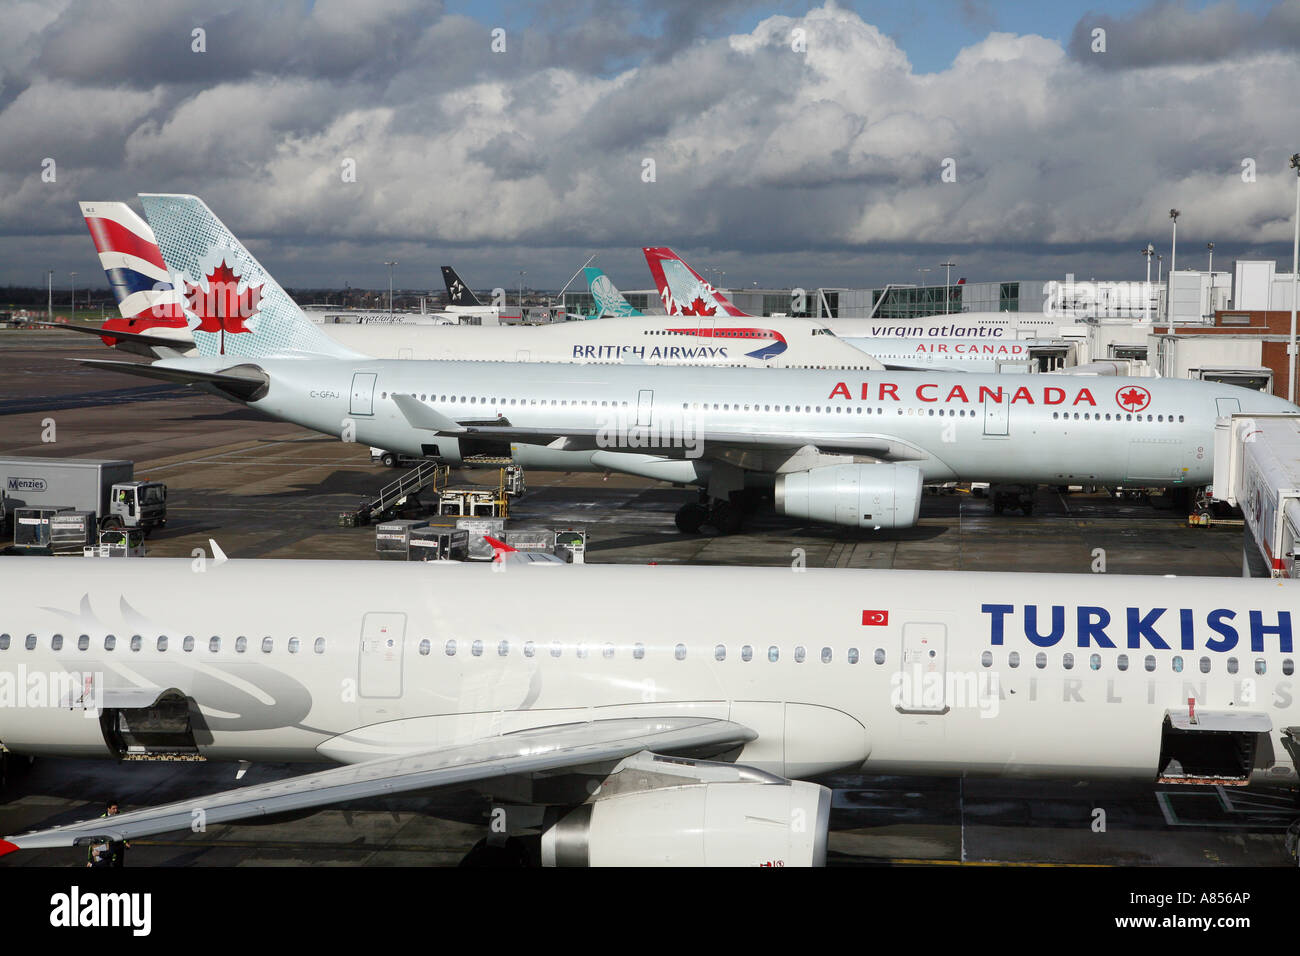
column 32, row 525
column 72, row 530
column 439, row 544
column 480, row 550
column 393, row 538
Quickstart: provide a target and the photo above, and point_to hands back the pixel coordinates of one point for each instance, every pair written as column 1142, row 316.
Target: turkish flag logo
column 1133, row 398
column 875, row 618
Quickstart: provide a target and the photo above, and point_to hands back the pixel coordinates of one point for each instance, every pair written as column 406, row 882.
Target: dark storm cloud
column 1168, row 32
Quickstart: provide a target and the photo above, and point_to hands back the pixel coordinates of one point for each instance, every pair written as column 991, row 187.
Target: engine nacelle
column 884, row 495
column 706, row 824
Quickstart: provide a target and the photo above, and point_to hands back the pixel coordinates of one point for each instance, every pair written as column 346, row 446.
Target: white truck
column 105, row 486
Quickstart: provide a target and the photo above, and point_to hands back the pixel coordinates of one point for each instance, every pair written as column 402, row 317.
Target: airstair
column 399, row 495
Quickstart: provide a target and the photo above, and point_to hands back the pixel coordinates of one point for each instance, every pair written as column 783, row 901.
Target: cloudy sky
column 791, row 144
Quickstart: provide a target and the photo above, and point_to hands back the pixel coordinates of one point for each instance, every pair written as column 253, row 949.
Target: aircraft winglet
column 498, row 546
column 218, row 556
column 6, row 847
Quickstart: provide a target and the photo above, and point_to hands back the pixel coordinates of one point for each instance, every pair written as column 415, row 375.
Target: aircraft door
column 924, row 672
column 996, row 414
column 379, row 670
column 1228, row 406
column 363, row 393
column 645, row 402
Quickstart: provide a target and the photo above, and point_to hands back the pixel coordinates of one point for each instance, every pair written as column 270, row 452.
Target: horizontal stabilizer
column 247, row 382
column 154, row 341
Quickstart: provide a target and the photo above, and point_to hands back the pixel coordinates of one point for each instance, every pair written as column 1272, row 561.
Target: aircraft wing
column 527, row 751
column 712, row 443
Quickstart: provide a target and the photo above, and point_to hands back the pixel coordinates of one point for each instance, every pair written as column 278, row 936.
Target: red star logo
column 1133, row 398
column 223, row 308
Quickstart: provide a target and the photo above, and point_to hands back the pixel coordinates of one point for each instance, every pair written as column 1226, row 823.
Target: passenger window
column 503, row 648
column 826, row 655
column 450, row 648
column 529, row 648
column 162, row 643
column 268, row 645
column 214, row 645
column 986, row 659
column 1260, row 666
column 1094, row 662
column 83, row 642
column 679, row 652
column 110, row 642
column 4, row 642
column 773, row 654
column 1013, row 659
column 581, row 651
column 608, row 651
column 1288, row 666
column 1232, row 665
column 56, row 642
column 1205, row 665
column 853, row 655
column 1040, row 660
column 1177, row 664
column 1122, row 662
column 720, row 652
column 556, row 649
column 1149, row 662
column 187, row 644
column 1067, row 661
column 319, row 646
column 294, row 645
column 799, row 654
column 425, row 647
column 747, row 653
column 476, row 648
column 241, row 644
column 879, row 656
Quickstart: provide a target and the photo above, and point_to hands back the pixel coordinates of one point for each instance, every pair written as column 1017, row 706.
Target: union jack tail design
column 133, row 263
column 682, row 289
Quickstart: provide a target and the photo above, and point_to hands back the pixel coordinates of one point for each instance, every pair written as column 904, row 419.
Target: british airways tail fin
column 682, row 289
column 133, row 264
column 233, row 305
column 609, row 301
column 458, row 293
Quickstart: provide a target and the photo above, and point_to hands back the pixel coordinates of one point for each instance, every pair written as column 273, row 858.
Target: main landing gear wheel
column 690, row 516
column 725, row 516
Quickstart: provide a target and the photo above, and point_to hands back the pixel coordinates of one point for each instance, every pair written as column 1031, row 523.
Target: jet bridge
column 1257, row 469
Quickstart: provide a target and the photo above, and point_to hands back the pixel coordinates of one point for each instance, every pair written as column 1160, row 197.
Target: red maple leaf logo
column 1134, row 399
column 697, row 307
column 223, row 308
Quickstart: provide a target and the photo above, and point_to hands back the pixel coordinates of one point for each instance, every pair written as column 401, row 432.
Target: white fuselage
column 326, row 660
column 955, row 355
column 952, row 426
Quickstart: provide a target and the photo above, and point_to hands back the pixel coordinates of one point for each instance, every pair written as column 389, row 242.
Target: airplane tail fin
column 239, row 309
column 682, row 289
column 458, row 293
column 133, row 263
column 609, row 301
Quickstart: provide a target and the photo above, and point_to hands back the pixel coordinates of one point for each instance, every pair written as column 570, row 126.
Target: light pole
column 947, row 283
column 1148, row 252
column 1210, row 246
column 1173, row 264
column 390, row 264
column 1295, row 261
column 49, row 288
column 74, row 295
column 521, row 292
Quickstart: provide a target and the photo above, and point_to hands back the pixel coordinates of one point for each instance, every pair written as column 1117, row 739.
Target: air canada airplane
column 844, row 448
column 615, row 730
column 152, row 309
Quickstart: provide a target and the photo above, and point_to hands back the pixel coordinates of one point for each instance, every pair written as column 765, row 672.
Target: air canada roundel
column 1133, row 398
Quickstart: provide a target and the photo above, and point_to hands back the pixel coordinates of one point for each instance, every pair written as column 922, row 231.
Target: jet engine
column 883, row 495
column 702, row 824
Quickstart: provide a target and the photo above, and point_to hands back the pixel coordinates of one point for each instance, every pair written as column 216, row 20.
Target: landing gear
column 690, row 516
column 725, row 516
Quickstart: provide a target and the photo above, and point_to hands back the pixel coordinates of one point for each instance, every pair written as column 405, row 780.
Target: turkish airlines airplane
column 153, row 308
column 628, row 736
column 987, row 339
column 845, row 449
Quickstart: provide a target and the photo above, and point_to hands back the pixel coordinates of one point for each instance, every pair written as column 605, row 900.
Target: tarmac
column 261, row 488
